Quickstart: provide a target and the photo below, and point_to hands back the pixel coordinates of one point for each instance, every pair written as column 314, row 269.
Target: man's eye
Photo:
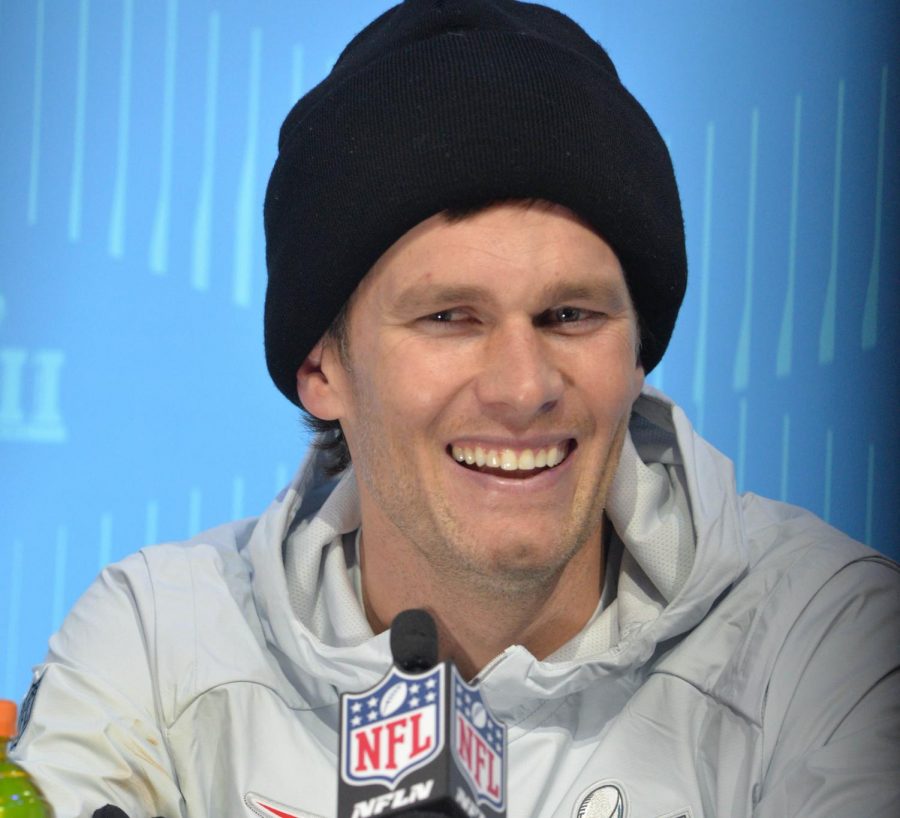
column 449, row 319
column 443, row 316
column 566, row 315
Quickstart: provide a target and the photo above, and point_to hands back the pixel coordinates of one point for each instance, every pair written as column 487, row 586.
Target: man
column 475, row 254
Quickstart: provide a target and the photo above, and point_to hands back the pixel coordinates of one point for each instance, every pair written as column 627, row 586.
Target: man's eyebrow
column 426, row 297
column 607, row 291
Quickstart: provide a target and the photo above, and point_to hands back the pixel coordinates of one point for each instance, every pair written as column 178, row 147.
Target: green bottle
column 19, row 795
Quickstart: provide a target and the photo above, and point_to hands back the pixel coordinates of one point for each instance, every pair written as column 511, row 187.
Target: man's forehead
column 547, row 249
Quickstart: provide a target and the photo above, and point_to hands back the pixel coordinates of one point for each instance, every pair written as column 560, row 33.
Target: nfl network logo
column 393, row 728
column 479, row 743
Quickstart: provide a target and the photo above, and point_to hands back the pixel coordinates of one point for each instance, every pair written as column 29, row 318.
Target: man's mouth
column 514, row 463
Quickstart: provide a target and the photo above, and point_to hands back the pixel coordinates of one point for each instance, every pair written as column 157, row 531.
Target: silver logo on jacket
column 603, row 801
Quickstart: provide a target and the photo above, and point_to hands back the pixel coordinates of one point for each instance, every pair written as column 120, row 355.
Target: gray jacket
column 743, row 662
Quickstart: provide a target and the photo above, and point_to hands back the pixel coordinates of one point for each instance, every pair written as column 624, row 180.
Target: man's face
column 492, row 366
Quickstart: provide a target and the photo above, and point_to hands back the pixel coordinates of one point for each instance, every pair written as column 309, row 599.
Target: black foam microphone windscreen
column 414, row 642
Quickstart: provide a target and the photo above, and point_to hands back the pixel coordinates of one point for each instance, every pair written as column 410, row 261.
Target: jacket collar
column 680, row 545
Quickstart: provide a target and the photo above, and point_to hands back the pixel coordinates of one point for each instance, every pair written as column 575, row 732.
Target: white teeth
column 508, row 460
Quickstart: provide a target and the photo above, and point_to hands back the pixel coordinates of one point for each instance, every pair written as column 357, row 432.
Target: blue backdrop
column 137, row 137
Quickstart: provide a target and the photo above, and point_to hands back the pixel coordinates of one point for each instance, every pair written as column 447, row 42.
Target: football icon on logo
column 393, row 699
column 479, row 715
column 605, row 801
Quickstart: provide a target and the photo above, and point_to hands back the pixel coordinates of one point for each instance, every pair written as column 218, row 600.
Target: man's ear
column 319, row 385
column 638, row 382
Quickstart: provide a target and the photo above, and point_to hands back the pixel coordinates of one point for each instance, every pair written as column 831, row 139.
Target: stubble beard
column 446, row 546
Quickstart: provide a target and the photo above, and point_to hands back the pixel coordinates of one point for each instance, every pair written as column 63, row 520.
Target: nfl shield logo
column 479, row 743
column 393, row 728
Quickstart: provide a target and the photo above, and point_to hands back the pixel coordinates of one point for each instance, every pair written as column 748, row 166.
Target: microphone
column 421, row 742
column 414, row 641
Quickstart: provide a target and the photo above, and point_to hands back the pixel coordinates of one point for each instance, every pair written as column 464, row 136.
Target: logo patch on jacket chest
column 606, row 799
column 602, row 800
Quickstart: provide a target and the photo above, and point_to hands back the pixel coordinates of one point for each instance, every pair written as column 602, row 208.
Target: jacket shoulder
column 800, row 571
column 818, row 669
column 780, row 533
column 183, row 612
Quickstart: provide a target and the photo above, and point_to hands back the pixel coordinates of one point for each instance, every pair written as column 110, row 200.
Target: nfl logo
column 479, row 744
column 393, row 728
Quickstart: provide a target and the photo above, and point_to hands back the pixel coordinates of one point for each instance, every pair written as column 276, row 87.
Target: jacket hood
column 675, row 551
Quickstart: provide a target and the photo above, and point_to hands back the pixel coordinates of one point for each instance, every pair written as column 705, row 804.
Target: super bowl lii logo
column 29, row 392
column 603, row 801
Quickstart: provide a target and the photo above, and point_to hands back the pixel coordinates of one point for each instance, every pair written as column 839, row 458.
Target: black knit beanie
column 443, row 104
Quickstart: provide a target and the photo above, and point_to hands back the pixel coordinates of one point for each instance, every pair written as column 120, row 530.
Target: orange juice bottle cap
column 7, row 718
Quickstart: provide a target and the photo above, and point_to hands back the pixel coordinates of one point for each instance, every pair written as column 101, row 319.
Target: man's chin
column 519, row 564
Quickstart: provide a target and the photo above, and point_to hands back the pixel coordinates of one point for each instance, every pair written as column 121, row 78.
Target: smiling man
column 484, row 389
column 475, row 254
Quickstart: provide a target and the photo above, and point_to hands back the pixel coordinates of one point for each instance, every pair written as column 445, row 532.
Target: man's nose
column 519, row 377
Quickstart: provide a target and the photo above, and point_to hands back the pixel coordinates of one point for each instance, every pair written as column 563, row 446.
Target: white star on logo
column 355, row 707
column 414, row 688
column 414, row 701
column 355, row 721
column 373, row 702
column 429, row 697
column 372, row 715
column 430, row 683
